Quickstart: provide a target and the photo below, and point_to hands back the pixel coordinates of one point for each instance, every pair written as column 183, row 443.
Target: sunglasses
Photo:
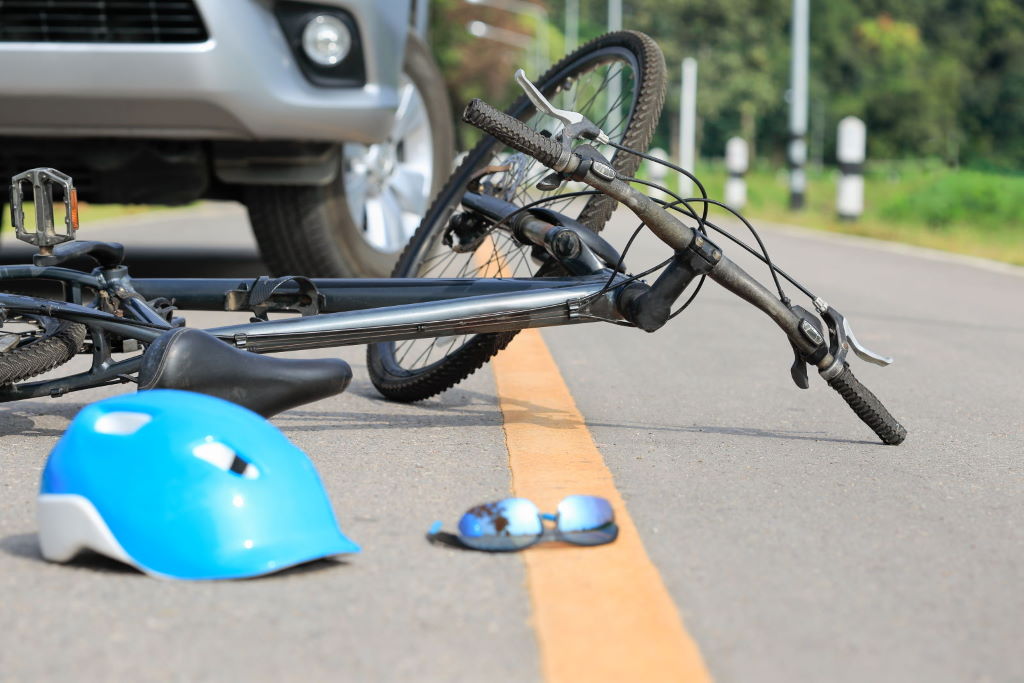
column 516, row 523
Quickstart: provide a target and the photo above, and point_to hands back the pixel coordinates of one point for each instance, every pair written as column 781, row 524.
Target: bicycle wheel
column 32, row 345
column 586, row 81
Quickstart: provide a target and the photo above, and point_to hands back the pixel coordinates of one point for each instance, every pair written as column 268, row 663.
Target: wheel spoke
column 411, row 115
column 583, row 87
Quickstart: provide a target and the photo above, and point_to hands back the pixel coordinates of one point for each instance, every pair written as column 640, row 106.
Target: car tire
column 332, row 231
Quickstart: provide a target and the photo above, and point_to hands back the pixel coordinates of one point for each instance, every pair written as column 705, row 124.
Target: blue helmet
column 184, row 486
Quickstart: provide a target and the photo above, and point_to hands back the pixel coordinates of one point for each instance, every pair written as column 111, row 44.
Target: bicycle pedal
column 45, row 235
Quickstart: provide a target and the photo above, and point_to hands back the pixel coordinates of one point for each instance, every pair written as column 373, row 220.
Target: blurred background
column 939, row 85
column 167, row 102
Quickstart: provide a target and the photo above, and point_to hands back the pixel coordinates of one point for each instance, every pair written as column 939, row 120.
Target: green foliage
column 918, row 202
column 940, row 199
column 931, row 78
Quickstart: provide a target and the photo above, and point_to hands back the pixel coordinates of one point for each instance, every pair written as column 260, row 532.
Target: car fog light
column 326, row 40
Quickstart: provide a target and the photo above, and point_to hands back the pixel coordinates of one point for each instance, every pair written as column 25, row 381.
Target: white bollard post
column 798, row 104
column 851, row 150
column 613, row 89
column 737, row 161
column 688, row 124
column 657, row 172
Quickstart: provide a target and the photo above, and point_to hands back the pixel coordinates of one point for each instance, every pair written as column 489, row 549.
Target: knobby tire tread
column 42, row 355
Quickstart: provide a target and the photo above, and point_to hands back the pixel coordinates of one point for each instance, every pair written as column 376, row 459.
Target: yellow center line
column 600, row 613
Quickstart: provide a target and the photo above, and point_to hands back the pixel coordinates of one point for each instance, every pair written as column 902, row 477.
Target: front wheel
column 358, row 225
column 618, row 82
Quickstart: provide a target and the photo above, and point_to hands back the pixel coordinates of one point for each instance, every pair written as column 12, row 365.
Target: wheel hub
column 388, row 184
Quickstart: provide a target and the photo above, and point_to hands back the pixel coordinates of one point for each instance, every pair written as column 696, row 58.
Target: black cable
column 622, row 258
column 725, row 233
column 677, row 169
column 704, row 200
column 542, row 200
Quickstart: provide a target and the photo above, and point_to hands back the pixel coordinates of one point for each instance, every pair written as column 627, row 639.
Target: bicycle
column 531, row 265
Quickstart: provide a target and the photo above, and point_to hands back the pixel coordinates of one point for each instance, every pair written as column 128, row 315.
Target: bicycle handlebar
column 868, row 408
column 517, row 135
column 559, row 157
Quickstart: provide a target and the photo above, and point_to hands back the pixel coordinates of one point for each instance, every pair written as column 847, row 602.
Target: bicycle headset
column 185, row 486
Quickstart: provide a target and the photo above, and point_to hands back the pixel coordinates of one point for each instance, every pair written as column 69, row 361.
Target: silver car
column 328, row 119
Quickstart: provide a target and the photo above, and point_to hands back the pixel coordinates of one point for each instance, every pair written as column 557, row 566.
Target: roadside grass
column 971, row 212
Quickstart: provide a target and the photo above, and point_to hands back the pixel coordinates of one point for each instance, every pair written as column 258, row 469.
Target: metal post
column 572, row 25
column 422, row 18
column 798, row 105
column 614, row 15
column 688, row 123
column 737, row 160
column 614, row 89
column 657, row 173
column 540, row 49
column 851, row 150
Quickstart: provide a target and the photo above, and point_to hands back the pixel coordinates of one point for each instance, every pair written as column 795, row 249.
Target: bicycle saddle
column 193, row 360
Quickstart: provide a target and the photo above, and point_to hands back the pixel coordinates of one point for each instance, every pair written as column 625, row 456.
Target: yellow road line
column 602, row 613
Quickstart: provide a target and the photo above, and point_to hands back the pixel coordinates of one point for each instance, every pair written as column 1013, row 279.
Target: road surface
column 793, row 545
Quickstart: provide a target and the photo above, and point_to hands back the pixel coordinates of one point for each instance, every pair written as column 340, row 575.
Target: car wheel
column 358, row 225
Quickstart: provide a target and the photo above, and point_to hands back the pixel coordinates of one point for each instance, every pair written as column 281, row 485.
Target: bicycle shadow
column 458, row 408
column 22, row 418
column 544, row 416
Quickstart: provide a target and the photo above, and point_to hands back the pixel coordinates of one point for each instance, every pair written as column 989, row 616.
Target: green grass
column 927, row 204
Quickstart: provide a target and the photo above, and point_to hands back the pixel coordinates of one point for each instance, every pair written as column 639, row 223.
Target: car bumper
column 243, row 83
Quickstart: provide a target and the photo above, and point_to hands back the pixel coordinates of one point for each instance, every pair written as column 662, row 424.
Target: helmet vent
column 122, row 422
column 224, row 457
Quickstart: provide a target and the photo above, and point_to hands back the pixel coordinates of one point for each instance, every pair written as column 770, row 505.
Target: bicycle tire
column 387, row 371
column 52, row 350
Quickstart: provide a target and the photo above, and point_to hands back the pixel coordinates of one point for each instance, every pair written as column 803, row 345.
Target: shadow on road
column 21, row 417
column 26, row 546
column 430, row 413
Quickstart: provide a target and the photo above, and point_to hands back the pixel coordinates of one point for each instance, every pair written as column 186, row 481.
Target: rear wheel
column 32, row 345
column 358, row 225
column 627, row 63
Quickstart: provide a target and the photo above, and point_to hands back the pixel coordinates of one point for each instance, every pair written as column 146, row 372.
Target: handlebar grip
column 515, row 134
column 868, row 407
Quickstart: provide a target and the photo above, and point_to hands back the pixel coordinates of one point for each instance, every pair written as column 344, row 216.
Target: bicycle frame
column 342, row 312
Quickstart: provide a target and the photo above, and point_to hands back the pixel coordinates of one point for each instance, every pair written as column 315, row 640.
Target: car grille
column 101, row 21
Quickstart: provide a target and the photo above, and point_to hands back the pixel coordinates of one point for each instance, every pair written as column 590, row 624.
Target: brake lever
column 842, row 339
column 863, row 352
column 574, row 124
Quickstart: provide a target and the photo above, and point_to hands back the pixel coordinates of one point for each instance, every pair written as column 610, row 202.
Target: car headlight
column 326, row 40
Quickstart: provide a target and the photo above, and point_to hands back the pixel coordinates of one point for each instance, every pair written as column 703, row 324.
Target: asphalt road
column 796, row 547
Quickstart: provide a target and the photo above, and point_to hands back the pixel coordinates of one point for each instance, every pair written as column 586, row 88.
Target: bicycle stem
column 681, row 238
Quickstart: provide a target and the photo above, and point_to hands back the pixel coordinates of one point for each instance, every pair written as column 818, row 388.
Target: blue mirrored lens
column 586, row 520
column 508, row 524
